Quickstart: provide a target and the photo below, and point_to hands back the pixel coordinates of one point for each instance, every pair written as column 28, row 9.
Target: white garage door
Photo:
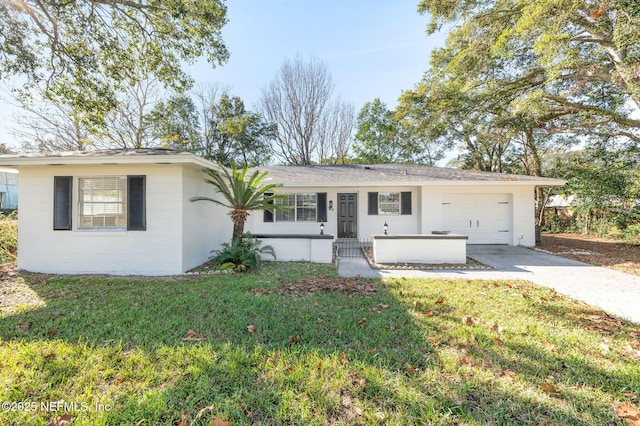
column 485, row 218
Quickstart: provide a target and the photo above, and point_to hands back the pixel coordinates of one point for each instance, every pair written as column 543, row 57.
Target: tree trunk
column 239, row 217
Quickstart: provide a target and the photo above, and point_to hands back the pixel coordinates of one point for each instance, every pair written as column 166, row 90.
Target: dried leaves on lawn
column 357, row 285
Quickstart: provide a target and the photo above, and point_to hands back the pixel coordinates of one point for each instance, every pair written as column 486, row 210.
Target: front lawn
column 266, row 349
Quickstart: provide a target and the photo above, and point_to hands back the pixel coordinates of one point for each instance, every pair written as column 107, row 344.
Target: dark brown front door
column 347, row 215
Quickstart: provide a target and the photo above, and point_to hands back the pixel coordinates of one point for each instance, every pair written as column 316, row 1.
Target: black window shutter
column 136, row 209
column 268, row 214
column 405, row 203
column 322, row 206
column 373, row 203
column 62, row 187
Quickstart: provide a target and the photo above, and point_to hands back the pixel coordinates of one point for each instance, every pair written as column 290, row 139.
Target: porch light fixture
column 322, row 228
column 330, row 205
column 386, row 227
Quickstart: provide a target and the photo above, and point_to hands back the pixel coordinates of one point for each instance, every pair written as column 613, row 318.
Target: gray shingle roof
column 98, row 153
column 395, row 174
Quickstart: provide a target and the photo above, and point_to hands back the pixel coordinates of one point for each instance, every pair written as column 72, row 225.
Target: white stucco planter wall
column 311, row 248
column 428, row 249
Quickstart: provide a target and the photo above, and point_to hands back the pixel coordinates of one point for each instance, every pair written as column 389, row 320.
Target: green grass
column 119, row 342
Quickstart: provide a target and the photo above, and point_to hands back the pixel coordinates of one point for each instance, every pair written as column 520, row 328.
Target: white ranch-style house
column 129, row 211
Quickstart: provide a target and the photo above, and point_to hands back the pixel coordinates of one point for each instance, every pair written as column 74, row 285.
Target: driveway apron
column 615, row 292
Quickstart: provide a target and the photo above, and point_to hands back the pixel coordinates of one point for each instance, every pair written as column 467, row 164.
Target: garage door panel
column 485, row 218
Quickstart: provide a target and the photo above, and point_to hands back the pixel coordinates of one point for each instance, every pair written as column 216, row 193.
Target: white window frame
column 297, row 201
column 389, row 203
column 102, row 203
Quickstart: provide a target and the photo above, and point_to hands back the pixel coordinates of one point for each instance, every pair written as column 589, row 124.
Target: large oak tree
column 84, row 52
column 564, row 66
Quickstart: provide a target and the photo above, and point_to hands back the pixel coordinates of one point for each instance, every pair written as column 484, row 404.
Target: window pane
column 388, row 203
column 103, row 202
column 287, row 215
column 306, row 207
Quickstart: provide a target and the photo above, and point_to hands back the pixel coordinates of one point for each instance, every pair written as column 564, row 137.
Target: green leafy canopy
column 84, row 52
column 242, row 192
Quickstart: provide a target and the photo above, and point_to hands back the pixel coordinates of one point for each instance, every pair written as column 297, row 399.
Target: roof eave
column 535, row 183
column 15, row 163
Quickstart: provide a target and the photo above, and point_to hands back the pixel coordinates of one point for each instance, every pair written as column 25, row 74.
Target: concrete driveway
column 615, row 292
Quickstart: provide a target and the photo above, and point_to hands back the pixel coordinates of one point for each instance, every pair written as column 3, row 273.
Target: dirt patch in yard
column 15, row 294
column 357, row 285
column 613, row 254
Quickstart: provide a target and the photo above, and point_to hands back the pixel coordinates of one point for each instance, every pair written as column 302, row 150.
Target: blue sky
column 373, row 48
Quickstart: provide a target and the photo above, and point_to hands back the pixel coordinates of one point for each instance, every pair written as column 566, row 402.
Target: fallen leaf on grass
column 628, row 413
column 362, row 321
column 23, row 326
column 509, row 374
column 343, row 358
column 358, row 382
column 470, row 320
column 498, row 341
column 201, row 412
column 52, row 332
column 549, row 388
column 428, row 313
column 465, row 360
column 193, row 336
column 61, row 420
column 417, row 305
column 497, row 328
column 294, row 340
column 433, row 341
column 373, row 310
column 184, row 420
column 548, row 345
column 383, row 306
column 410, row 370
column 629, row 395
column 372, row 351
column 49, row 357
column 251, row 329
column 439, row 301
column 276, row 357
column 219, row 422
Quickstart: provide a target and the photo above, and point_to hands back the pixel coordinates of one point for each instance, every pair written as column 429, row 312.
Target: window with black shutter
column 136, row 206
column 322, row 206
column 62, row 187
column 405, row 203
column 268, row 214
column 373, row 203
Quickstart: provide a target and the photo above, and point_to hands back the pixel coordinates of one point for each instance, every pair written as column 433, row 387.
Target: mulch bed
column 358, row 285
column 471, row 265
column 614, row 254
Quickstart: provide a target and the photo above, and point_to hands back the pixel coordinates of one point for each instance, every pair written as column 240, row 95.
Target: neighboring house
column 129, row 211
column 560, row 206
column 355, row 201
column 8, row 190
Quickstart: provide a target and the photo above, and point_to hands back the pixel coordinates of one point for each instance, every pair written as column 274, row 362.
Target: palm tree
column 241, row 194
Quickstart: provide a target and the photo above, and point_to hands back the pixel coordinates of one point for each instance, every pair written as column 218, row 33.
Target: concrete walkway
column 615, row 292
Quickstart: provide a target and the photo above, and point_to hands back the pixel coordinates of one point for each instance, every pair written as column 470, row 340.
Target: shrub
column 244, row 255
column 632, row 233
column 8, row 237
